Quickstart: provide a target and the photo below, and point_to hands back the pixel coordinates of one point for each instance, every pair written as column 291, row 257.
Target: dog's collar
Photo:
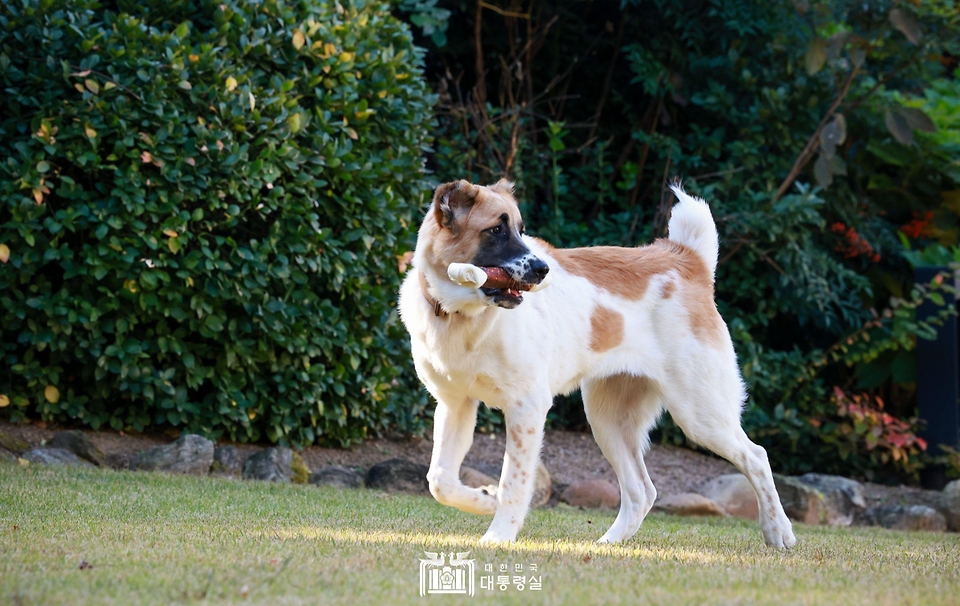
column 438, row 309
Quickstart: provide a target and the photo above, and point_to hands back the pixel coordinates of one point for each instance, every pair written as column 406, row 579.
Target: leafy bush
column 860, row 424
column 202, row 203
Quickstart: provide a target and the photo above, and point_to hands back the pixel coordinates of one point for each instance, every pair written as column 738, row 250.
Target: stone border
column 809, row 499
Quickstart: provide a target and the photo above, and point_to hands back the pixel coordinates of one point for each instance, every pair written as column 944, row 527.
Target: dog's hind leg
column 708, row 412
column 621, row 410
column 453, row 425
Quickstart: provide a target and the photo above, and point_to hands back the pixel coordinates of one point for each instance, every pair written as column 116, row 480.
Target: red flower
column 919, row 225
column 853, row 244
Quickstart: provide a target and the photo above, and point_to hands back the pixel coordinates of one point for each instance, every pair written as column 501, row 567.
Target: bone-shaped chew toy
column 465, row 274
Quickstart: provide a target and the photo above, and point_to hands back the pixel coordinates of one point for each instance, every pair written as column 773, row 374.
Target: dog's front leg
column 524, row 421
column 453, row 425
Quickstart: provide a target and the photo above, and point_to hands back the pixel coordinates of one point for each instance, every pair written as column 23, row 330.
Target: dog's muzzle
column 522, row 275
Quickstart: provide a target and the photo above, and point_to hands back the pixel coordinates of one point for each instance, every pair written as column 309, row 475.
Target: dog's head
column 481, row 225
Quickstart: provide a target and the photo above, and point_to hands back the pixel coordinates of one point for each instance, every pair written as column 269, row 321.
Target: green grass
column 152, row 538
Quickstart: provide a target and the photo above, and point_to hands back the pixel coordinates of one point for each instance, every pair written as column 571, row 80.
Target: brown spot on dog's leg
column 668, row 289
column 606, row 329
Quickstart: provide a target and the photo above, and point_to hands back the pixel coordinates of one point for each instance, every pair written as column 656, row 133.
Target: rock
column 801, row 502
column 189, row 454
column 906, row 517
column 592, row 494
column 543, row 487
column 734, row 494
column 270, row 465
column 843, row 499
column 475, row 478
column 14, row 445
column 79, row 444
column 951, row 504
column 558, row 488
column 54, row 456
column 334, row 475
column 7, row 457
column 399, row 475
column 227, row 460
column 688, row 504
column 120, row 460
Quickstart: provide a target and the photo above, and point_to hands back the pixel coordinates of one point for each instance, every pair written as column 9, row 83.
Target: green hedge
column 202, row 204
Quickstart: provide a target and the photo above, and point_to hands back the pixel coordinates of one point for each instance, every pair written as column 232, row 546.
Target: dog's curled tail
column 691, row 224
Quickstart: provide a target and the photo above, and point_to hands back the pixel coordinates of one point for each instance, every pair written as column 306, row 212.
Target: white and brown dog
column 637, row 329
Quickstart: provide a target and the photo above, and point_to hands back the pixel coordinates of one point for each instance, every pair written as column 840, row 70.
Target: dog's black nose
column 539, row 269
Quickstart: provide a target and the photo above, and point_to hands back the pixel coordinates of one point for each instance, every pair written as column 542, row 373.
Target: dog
column 637, row 329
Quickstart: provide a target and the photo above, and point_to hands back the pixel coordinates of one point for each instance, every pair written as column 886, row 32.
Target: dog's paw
column 491, row 539
column 779, row 535
column 608, row 539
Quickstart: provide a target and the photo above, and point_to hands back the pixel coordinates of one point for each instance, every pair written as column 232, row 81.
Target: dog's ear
column 504, row 186
column 452, row 202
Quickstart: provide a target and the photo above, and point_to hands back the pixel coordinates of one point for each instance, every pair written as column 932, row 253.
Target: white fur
column 517, row 360
column 692, row 224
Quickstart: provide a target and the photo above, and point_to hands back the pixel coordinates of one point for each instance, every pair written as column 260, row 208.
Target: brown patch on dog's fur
column 668, row 289
column 606, row 329
column 705, row 320
column 516, row 439
column 621, row 388
column 627, row 272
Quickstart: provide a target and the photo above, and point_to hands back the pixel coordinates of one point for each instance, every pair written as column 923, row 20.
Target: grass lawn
column 151, row 538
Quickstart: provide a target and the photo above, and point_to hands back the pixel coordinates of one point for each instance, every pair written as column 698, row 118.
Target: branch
column 906, row 63
column 606, row 82
column 109, row 79
column 481, row 86
column 732, row 252
column 500, row 11
column 645, row 152
column 719, row 173
column 661, row 221
column 811, row 145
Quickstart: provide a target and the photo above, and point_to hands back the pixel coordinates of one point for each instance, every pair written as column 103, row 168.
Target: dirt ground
column 569, row 456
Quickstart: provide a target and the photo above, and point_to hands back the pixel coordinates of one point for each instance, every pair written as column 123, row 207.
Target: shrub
column 860, row 424
column 202, row 203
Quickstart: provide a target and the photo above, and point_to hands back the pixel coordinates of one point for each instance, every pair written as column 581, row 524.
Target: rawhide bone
column 473, row 276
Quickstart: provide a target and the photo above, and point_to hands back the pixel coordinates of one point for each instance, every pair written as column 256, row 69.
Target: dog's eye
column 497, row 230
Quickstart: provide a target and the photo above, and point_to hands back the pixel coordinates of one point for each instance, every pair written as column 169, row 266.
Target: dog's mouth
column 504, row 290
column 504, row 297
